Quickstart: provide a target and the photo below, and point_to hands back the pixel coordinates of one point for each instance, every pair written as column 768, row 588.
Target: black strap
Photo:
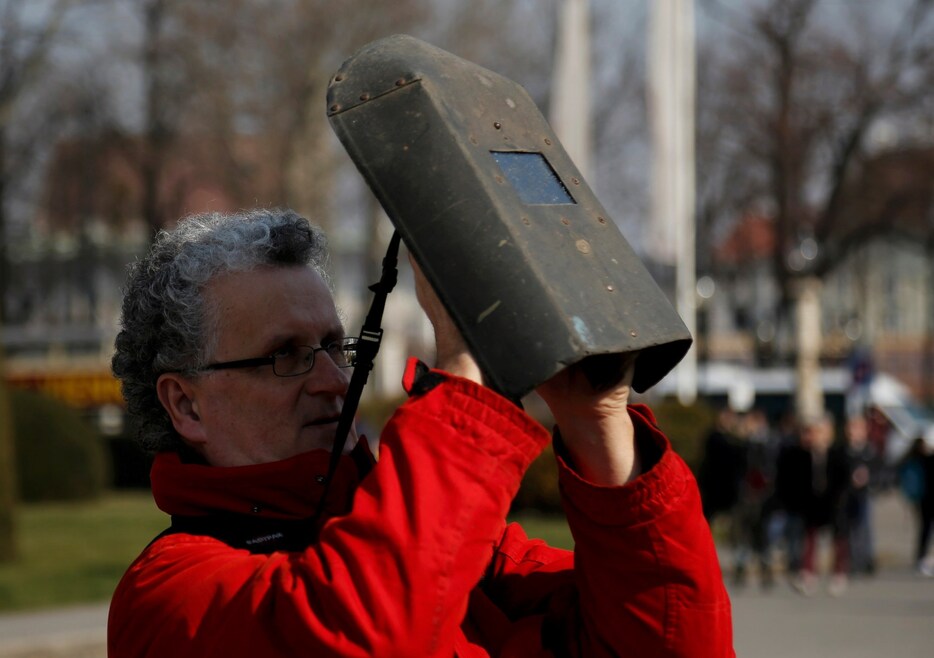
column 251, row 533
column 371, row 334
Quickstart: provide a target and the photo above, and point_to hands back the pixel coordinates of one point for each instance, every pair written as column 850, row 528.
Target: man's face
column 817, row 435
column 250, row 415
column 857, row 431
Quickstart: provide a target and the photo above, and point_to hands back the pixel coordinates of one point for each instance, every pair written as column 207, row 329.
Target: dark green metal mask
column 532, row 269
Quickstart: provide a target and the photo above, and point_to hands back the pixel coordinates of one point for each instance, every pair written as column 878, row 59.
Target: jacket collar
column 287, row 489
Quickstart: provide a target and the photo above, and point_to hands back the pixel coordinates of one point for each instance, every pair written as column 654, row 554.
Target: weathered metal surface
column 529, row 264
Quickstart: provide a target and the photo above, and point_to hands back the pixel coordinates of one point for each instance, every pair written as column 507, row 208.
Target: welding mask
column 532, row 269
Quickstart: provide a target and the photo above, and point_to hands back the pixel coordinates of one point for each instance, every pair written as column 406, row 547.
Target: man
column 811, row 480
column 723, row 465
column 232, row 355
column 860, row 457
column 916, row 481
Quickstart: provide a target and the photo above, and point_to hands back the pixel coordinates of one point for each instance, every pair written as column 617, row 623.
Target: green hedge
column 59, row 455
column 8, row 543
column 373, row 413
column 539, row 488
column 685, row 426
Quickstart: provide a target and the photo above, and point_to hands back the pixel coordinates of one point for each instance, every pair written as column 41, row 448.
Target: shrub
column 686, row 427
column 59, row 456
column 539, row 489
column 373, row 413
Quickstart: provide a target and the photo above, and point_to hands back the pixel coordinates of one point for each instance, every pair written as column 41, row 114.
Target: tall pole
column 927, row 381
column 571, row 85
column 671, row 115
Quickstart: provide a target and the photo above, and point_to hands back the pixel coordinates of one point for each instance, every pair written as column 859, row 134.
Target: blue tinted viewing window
column 532, row 177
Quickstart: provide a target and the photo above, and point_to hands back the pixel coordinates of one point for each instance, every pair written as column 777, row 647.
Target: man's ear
column 178, row 395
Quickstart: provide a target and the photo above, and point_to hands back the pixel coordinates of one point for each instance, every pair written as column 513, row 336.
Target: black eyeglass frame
column 348, row 344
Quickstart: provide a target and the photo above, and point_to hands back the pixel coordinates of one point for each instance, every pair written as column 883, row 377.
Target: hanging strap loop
column 371, row 334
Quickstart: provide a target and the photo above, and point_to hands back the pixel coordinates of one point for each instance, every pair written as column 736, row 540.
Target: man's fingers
column 606, row 371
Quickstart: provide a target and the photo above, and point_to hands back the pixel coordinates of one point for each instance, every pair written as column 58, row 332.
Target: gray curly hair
column 165, row 324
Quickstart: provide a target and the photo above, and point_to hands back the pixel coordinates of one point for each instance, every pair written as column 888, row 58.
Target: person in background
column 722, row 465
column 811, row 480
column 233, row 359
column 916, row 481
column 756, row 497
column 721, row 475
column 860, row 457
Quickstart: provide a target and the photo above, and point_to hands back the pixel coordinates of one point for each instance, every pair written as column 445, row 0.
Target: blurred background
column 772, row 161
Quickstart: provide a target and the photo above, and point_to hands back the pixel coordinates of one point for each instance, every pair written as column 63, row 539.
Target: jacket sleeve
column 644, row 580
column 390, row 578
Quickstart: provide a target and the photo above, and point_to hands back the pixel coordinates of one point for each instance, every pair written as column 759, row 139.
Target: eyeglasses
column 296, row 360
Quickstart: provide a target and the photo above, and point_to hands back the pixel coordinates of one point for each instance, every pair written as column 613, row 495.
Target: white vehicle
column 908, row 422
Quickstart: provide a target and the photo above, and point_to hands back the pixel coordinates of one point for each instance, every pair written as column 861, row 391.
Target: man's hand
column 589, row 403
column 451, row 352
column 588, row 399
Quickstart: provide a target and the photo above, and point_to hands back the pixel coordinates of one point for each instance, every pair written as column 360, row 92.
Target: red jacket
column 419, row 561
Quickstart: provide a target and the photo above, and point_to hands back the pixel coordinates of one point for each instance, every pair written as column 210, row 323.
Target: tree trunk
column 8, row 548
column 156, row 131
column 927, row 383
column 4, row 256
column 7, row 465
column 809, row 397
column 308, row 162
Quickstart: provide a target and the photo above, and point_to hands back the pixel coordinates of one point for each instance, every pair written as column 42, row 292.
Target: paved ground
column 77, row 632
column 891, row 614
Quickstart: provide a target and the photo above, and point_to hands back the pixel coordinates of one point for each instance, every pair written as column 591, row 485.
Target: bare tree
column 177, row 52
column 26, row 43
column 787, row 104
column 169, row 72
column 300, row 45
column 243, row 82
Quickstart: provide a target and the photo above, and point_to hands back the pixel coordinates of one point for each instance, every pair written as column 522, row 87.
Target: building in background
column 67, row 275
column 877, row 295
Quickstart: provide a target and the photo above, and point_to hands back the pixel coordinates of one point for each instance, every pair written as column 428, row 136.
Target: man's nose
column 327, row 377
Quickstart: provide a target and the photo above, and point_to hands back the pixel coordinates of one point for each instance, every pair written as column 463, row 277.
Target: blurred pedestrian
column 860, row 456
column 753, row 510
column 811, row 480
column 916, row 481
column 721, row 476
column 722, row 466
column 878, row 429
